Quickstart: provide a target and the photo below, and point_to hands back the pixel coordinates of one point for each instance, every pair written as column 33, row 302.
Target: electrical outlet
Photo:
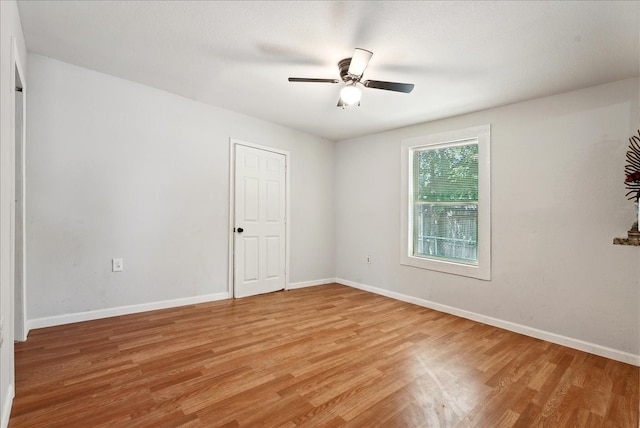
column 368, row 260
column 117, row 265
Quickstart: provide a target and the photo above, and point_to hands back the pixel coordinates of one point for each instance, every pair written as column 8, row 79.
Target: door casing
column 18, row 243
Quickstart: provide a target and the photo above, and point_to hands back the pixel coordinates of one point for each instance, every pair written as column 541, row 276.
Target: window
column 446, row 202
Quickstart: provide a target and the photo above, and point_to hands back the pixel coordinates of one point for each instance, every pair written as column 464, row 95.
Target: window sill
column 634, row 242
column 480, row 271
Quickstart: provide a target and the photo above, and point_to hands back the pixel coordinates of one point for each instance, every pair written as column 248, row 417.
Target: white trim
column 558, row 339
column 16, row 64
column 232, row 216
column 482, row 134
column 232, row 177
column 122, row 310
column 6, row 406
column 304, row 284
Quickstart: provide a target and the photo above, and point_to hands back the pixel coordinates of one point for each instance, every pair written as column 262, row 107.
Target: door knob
column 240, row 230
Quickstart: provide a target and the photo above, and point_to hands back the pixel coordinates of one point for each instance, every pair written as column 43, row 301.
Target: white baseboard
column 6, row 406
column 132, row 309
column 303, row 284
column 569, row 342
column 121, row 310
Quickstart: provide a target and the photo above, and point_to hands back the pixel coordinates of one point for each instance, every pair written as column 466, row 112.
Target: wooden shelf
column 627, row 241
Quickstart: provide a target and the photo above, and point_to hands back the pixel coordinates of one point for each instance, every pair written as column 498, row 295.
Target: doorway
column 259, row 212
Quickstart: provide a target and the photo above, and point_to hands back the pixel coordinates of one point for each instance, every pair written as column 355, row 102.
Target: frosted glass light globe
column 350, row 94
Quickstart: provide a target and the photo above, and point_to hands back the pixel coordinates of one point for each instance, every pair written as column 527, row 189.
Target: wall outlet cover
column 117, row 265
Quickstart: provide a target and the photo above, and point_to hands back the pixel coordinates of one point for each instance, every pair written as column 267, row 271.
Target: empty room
column 319, row 213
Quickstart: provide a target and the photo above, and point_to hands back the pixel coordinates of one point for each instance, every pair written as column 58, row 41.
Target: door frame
column 232, row 207
column 18, row 293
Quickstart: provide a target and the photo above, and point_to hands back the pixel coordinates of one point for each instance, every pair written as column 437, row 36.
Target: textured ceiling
column 461, row 56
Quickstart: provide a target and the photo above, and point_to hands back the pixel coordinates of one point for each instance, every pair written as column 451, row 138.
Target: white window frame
column 483, row 268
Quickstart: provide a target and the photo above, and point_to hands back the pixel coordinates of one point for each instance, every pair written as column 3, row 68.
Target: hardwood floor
column 321, row 356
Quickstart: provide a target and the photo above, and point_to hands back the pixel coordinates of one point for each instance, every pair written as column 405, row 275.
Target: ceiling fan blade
column 359, row 61
column 304, row 79
column 389, row 86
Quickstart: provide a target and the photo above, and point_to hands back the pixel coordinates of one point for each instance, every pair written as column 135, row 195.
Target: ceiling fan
column 351, row 70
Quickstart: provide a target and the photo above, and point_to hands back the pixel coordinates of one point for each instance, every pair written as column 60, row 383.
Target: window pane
column 447, row 174
column 448, row 231
column 445, row 183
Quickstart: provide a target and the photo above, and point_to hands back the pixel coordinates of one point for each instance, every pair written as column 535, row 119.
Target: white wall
column 118, row 169
column 10, row 27
column 557, row 203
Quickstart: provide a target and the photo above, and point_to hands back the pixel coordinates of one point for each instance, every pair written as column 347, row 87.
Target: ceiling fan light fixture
column 351, row 70
column 350, row 94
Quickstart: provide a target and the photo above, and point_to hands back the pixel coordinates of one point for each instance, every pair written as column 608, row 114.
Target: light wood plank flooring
column 326, row 356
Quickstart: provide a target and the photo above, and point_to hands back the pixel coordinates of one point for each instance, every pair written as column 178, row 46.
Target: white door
column 260, row 221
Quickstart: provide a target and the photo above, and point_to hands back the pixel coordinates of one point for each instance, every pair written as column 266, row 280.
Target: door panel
column 251, row 202
column 273, row 201
column 260, row 223
column 250, row 255
column 273, row 256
